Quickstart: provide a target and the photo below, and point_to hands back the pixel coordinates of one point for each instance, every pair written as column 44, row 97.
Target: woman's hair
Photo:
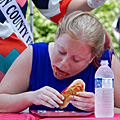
column 86, row 27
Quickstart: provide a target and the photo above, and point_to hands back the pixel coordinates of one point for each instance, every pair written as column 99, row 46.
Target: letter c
column 10, row 8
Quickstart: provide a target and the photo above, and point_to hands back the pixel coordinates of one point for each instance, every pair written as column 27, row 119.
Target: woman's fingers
column 50, row 96
column 45, row 103
column 85, row 94
column 83, row 105
column 46, row 100
column 54, row 92
column 55, row 95
column 83, row 101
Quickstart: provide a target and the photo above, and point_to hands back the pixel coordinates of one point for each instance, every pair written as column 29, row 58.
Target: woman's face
column 69, row 57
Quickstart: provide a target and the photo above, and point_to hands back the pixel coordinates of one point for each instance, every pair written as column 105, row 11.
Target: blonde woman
column 43, row 70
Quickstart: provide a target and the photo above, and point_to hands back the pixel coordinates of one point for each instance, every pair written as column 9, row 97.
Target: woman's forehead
column 74, row 46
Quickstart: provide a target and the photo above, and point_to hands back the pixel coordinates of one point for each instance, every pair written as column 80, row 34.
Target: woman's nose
column 65, row 62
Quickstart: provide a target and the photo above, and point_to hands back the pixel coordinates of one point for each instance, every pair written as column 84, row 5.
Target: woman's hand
column 47, row 96
column 84, row 101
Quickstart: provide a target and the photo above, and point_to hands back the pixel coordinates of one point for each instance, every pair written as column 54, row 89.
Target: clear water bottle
column 104, row 91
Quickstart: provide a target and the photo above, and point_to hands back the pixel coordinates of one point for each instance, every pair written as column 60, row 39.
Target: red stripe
column 63, row 7
column 8, row 44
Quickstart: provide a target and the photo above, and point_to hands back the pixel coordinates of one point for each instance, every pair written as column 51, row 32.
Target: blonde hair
column 86, row 27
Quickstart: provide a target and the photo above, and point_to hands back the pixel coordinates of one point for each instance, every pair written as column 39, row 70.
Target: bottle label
column 104, row 83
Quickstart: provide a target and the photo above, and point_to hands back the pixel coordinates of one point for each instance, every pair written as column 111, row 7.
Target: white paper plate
column 58, row 113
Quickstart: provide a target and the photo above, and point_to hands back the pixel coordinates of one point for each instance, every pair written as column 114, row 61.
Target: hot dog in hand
column 76, row 86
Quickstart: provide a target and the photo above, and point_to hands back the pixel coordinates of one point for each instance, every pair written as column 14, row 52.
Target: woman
column 43, row 70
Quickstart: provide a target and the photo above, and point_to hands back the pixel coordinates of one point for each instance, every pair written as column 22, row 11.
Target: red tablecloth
column 18, row 116
column 28, row 116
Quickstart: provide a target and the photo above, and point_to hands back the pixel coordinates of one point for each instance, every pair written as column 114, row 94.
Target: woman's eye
column 76, row 59
column 62, row 53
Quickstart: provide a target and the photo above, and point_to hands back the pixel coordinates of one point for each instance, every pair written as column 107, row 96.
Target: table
column 91, row 117
column 28, row 116
column 18, row 116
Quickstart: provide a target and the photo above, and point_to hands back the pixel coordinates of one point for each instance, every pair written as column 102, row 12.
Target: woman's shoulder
column 115, row 63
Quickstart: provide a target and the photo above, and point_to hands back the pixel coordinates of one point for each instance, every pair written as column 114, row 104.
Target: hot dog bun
column 76, row 86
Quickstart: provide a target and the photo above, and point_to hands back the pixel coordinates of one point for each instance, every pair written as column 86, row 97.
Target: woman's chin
column 59, row 76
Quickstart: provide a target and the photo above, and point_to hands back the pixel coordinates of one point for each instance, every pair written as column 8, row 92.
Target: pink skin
column 69, row 56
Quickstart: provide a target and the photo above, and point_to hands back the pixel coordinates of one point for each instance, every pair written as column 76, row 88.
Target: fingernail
column 70, row 101
column 63, row 98
column 61, row 102
column 57, row 106
column 77, row 93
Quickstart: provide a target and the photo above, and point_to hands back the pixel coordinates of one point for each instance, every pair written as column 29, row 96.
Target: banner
column 15, row 17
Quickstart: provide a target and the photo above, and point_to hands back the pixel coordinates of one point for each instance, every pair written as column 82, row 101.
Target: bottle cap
column 104, row 62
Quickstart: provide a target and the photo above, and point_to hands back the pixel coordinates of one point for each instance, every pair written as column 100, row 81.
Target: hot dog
column 76, row 86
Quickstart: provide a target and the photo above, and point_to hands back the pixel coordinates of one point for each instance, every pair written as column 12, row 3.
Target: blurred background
column 44, row 30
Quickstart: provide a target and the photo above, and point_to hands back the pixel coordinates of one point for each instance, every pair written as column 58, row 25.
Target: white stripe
column 5, row 30
column 53, row 9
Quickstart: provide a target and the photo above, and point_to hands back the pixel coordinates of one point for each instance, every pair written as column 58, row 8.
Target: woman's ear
column 92, row 58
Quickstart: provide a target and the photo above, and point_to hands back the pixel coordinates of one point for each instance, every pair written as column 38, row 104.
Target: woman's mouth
column 60, row 72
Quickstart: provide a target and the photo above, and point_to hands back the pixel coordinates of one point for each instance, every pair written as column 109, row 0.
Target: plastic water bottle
column 104, row 91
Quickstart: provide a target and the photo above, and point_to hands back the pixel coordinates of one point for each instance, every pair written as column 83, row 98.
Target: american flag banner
column 52, row 9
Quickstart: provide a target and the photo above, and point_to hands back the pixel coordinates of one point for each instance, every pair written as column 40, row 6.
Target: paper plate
column 58, row 113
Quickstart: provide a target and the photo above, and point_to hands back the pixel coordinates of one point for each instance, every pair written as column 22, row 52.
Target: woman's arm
column 78, row 5
column 16, row 81
column 116, row 70
column 46, row 96
column 17, row 78
column 14, row 102
column 84, row 5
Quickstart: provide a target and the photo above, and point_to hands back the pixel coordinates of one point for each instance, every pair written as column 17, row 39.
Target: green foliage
column 44, row 29
column 107, row 13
